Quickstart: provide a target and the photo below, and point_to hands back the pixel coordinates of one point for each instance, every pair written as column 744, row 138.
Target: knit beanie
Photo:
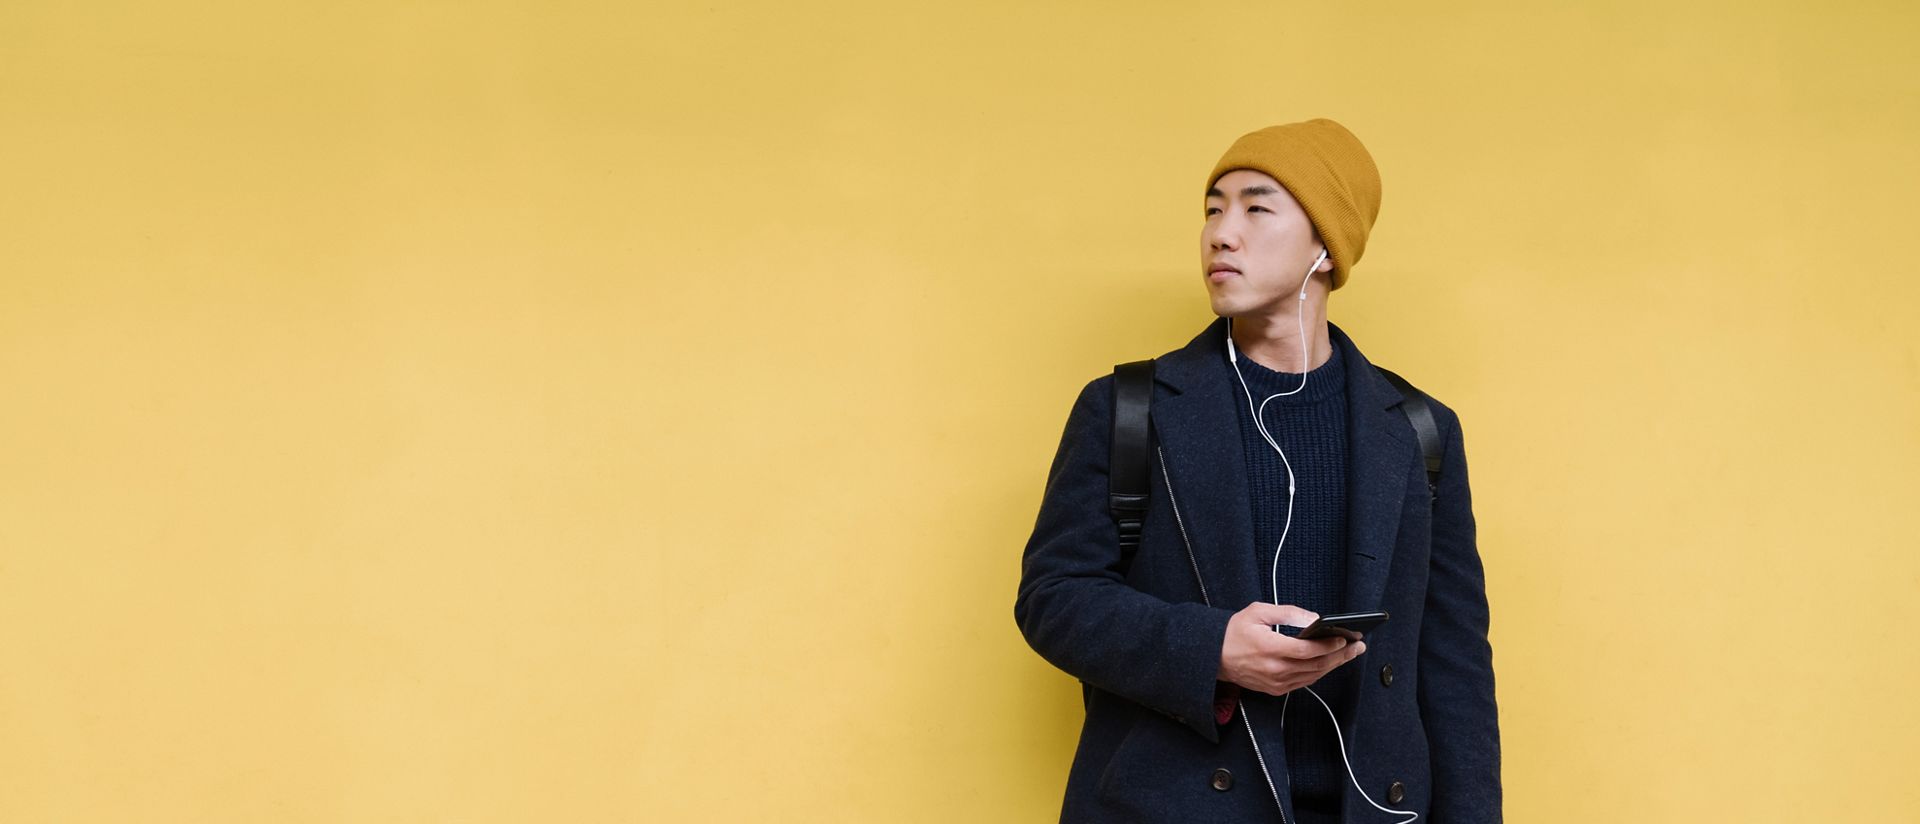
column 1326, row 169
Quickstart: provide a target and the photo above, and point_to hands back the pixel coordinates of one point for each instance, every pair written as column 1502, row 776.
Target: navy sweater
column 1311, row 427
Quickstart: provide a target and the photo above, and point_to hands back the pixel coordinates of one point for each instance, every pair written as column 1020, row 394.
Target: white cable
column 1411, row 815
column 1273, row 575
column 1273, row 579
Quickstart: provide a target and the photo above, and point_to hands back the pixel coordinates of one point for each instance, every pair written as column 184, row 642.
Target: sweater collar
column 1199, row 363
column 1328, row 380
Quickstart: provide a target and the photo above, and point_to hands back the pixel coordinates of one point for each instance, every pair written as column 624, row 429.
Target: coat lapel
column 1200, row 433
column 1380, row 453
column 1199, row 428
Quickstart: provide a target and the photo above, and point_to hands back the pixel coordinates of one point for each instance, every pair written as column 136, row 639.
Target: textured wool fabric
column 1326, row 169
column 1311, row 426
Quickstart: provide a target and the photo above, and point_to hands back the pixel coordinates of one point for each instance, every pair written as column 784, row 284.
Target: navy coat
column 1144, row 637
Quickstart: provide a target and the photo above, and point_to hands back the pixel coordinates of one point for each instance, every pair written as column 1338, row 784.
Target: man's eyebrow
column 1250, row 191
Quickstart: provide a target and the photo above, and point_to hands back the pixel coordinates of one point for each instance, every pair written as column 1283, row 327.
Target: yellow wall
column 539, row 412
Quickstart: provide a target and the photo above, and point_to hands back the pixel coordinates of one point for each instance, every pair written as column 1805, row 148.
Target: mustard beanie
column 1326, row 169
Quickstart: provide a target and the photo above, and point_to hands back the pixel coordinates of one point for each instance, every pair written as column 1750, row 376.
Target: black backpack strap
column 1414, row 403
column 1127, row 486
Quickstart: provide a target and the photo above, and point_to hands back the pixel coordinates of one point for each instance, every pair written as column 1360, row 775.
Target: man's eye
column 1211, row 210
column 1252, row 208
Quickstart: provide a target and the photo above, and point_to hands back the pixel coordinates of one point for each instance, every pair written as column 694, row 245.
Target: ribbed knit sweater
column 1311, row 427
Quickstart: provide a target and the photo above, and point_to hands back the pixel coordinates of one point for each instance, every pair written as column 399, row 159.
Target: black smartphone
column 1353, row 625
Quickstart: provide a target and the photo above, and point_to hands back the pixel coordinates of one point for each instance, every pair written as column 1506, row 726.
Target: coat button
column 1386, row 675
column 1396, row 792
column 1222, row 780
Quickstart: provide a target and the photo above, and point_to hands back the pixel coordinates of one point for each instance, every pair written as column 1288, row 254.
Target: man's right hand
column 1258, row 658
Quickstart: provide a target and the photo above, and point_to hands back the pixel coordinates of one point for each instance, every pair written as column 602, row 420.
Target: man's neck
column 1273, row 341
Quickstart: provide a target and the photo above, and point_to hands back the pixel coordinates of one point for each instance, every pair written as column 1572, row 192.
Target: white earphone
column 1234, row 358
column 1274, row 575
column 1309, row 278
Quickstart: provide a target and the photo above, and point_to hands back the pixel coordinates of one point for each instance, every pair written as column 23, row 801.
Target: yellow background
column 498, row 412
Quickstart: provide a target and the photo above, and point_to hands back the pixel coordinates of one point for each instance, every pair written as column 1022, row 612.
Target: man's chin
column 1225, row 307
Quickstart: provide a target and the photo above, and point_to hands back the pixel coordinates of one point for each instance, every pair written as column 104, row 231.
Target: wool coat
column 1143, row 634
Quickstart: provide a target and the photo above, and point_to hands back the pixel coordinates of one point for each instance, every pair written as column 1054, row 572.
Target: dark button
column 1222, row 780
column 1396, row 792
column 1386, row 675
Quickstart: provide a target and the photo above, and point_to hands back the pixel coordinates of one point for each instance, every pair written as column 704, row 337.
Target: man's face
column 1255, row 246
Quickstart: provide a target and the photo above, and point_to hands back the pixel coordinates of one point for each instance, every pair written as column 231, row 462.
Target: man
column 1288, row 484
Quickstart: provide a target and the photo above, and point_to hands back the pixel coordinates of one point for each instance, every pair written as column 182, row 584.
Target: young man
column 1288, row 483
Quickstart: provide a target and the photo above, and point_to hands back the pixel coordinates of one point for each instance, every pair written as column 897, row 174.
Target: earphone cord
column 1273, row 580
column 1300, row 314
column 1410, row 815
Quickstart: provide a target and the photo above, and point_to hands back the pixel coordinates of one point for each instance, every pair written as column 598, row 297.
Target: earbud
column 1316, row 265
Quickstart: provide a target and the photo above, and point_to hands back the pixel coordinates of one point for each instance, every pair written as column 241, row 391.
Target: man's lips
column 1220, row 273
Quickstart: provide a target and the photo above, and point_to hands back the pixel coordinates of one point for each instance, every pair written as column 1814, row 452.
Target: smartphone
column 1353, row 625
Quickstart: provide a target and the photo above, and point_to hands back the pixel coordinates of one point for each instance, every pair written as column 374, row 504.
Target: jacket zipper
column 1204, row 598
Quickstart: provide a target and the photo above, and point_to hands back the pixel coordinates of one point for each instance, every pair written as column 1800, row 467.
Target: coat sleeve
column 1074, row 604
column 1456, row 661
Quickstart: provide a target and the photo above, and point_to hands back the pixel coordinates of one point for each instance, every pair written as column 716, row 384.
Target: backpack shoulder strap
column 1414, row 403
column 1127, row 484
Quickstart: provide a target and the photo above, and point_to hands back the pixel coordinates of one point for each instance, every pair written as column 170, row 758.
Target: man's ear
column 1325, row 265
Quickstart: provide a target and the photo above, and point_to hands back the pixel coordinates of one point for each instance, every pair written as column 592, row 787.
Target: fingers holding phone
column 1256, row 656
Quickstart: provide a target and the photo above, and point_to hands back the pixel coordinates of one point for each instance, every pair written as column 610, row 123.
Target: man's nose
column 1222, row 235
